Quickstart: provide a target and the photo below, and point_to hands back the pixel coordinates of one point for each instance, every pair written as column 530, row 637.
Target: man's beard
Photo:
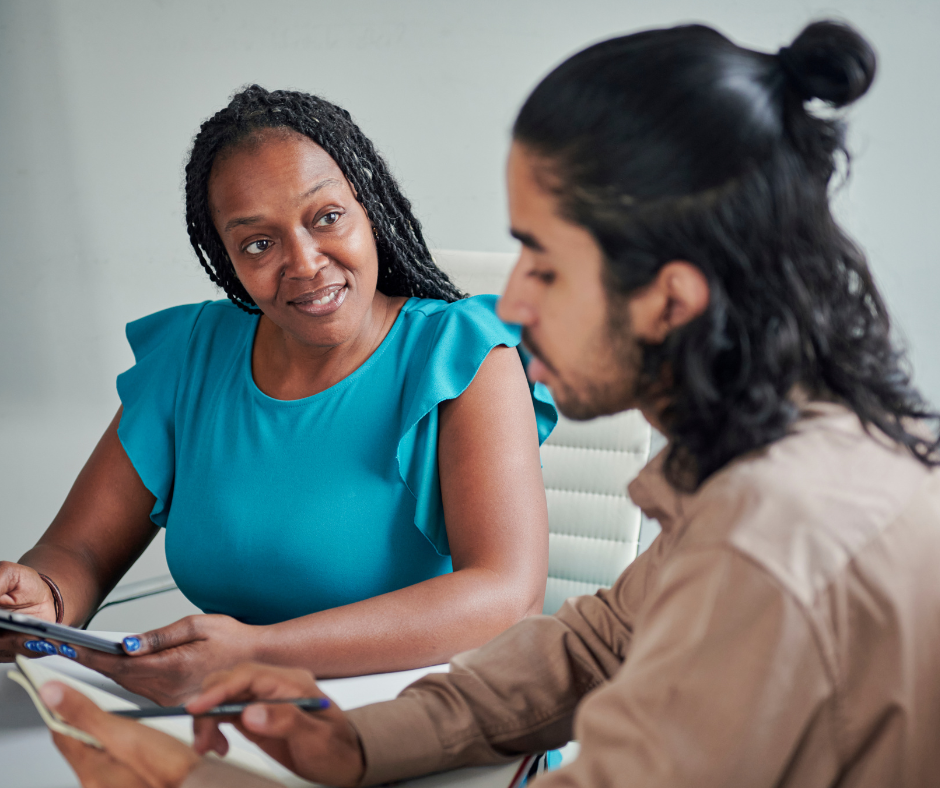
column 606, row 381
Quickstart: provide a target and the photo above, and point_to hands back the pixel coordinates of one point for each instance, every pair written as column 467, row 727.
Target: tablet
column 28, row 625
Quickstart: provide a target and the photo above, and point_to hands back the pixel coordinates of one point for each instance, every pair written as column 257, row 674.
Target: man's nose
column 304, row 258
column 516, row 305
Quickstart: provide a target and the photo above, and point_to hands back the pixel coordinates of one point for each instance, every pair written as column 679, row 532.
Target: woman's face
column 300, row 241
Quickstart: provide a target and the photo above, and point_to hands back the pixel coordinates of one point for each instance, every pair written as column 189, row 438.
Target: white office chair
column 594, row 528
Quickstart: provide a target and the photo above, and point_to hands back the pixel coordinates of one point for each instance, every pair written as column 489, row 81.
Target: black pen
column 225, row 710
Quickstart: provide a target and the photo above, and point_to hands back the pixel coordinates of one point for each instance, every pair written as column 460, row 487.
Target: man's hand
column 320, row 746
column 22, row 590
column 134, row 756
column 168, row 665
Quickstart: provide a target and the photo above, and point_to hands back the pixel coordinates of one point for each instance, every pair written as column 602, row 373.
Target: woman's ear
column 677, row 295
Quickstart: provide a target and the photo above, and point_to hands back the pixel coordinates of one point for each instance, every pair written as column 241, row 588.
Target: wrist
column 256, row 640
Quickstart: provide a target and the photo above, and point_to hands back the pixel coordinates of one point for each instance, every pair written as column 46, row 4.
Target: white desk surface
column 29, row 759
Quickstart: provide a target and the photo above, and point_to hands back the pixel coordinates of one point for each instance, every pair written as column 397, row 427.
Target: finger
column 33, row 647
column 208, row 737
column 251, row 680
column 186, row 630
column 274, row 722
column 95, row 767
column 111, row 665
column 145, row 751
column 22, row 589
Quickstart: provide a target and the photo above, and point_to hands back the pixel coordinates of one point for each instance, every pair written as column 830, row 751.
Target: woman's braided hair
column 405, row 264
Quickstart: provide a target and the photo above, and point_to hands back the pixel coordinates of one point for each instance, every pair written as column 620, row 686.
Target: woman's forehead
column 269, row 164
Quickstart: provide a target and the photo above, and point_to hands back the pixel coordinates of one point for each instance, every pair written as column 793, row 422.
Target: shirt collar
column 656, row 498
column 660, row 501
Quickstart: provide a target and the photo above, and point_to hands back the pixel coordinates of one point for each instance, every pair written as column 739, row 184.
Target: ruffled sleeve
column 461, row 337
column 148, row 392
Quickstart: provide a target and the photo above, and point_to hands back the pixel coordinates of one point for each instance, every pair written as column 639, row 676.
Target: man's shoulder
column 806, row 506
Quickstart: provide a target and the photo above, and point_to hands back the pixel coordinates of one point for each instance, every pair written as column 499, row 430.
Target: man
column 678, row 255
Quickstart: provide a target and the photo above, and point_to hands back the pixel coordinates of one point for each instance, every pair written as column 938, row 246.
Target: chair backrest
column 594, row 527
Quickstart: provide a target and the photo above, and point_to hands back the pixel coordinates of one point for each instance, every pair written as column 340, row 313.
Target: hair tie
column 793, row 74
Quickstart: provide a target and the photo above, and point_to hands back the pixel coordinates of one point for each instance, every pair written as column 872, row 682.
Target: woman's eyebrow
column 241, row 221
column 317, row 187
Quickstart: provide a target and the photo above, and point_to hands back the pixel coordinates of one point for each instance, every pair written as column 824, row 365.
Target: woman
column 344, row 454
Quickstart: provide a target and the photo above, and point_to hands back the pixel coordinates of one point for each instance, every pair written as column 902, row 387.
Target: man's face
column 579, row 336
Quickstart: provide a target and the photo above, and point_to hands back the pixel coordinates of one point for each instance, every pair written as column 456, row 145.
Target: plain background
column 99, row 101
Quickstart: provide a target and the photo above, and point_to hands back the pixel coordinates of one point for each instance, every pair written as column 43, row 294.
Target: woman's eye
column 257, row 247
column 545, row 277
column 328, row 218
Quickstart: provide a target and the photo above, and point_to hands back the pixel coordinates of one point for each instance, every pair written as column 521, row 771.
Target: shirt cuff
column 398, row 740
column 213, row 773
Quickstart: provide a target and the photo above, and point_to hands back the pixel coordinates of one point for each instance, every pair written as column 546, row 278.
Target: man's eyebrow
column 242, row 221
column 526, row 239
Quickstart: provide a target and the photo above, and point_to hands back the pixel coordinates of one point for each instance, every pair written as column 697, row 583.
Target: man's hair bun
column 829, row 61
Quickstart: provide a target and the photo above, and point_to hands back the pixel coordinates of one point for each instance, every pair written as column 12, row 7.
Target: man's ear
column 677, row 295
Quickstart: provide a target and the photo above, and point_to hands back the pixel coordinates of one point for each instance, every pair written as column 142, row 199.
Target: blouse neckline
column 339, row 386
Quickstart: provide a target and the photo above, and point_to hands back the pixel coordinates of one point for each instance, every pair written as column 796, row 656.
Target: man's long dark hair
column 405, row 264
column 677, row 144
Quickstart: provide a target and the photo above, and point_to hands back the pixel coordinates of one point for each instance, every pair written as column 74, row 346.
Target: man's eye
column 545, row 277
column 257, row 247
column 328, row 218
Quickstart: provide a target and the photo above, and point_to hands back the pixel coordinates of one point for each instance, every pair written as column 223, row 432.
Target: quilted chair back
column 594, row 527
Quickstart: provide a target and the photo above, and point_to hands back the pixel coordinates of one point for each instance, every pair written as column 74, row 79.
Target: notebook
column 32, row 674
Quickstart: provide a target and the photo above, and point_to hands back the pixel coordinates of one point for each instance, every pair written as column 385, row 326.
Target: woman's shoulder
column 177, row 326
column 472, row 319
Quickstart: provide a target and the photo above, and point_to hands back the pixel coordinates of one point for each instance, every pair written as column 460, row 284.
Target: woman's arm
column 497, row 527
column 101, row 529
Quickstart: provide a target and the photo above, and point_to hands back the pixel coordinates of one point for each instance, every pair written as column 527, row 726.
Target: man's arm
column 517, row 694
column 723, row 680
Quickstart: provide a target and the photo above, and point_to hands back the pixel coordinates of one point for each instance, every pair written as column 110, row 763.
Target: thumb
column 73, row 707
column 152, row 755
column 176, row 634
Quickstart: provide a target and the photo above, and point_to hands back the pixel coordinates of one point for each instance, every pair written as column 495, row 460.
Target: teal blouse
column 275, row 509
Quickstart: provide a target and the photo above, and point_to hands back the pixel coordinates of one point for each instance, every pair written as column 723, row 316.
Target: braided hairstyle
column 405, row 264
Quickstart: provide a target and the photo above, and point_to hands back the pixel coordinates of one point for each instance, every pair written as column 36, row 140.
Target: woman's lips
column 322, row 302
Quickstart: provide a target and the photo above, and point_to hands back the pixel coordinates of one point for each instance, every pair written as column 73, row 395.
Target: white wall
column 100, row 98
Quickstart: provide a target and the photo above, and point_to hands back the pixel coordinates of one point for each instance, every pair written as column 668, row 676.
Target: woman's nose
column 304, row 258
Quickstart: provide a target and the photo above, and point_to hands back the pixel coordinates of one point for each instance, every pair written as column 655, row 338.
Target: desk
column 29, row 759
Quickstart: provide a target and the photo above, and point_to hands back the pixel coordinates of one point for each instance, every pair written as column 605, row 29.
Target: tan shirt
column 783, row 630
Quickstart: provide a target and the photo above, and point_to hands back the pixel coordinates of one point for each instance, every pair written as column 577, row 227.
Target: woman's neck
column 285, row 368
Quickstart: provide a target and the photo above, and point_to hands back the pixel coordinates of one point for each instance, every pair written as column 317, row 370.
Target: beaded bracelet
column 56, row 598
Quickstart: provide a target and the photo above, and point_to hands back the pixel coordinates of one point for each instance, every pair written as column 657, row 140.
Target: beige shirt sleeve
column 724, row 680
column 723, row 675
column 517, row 694
column 214, row 773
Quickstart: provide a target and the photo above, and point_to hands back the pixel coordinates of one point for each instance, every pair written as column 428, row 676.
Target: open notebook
column 32, row 674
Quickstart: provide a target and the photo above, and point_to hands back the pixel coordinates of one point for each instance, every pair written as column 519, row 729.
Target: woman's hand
column 168, row 665
column 134, row 756
column 22, row 590
column 320, row 746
